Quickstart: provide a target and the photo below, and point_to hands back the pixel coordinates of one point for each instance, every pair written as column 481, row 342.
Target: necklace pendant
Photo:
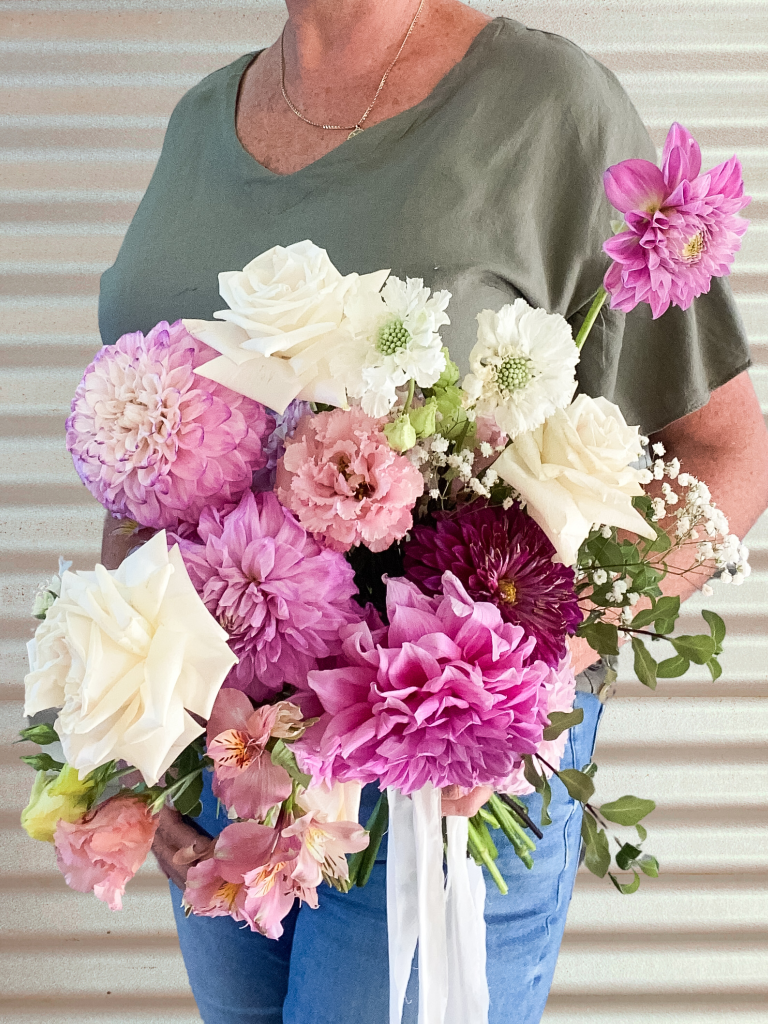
column 357, row 130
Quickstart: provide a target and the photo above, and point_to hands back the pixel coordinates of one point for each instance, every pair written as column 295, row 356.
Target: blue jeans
column 330, row 966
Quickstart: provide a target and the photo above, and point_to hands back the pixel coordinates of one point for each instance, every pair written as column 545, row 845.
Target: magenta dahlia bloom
column 344, row 482
column 281, row 595
column 682, row 228
column 155, row 442
column 503, row 557
column 449, row 694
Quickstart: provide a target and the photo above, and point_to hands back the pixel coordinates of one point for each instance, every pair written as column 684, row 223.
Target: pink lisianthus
column 450, row 696
column 345, row 483
column 241, row 873
column 682, row 226
column 280, row 594
column 104, row 849
column 244, row 776
column 561, row 690
column 155, row 442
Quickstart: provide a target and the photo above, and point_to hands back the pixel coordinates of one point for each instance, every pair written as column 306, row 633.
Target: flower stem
column 409, row 398
column 480, row 852
column 594, row 309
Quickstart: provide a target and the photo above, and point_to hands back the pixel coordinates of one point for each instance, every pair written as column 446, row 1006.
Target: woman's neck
column 354, row 39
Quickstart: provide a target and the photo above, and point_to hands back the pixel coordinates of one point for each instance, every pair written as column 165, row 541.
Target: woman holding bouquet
column 469, row 152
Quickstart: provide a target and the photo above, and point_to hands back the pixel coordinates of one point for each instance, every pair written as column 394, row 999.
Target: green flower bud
column 400, row 434
column 423, row 418
column 63, row 797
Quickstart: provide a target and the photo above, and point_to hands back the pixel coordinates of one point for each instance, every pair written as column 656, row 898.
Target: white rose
column 126, row 655
column 340, row 802
column 575, row 470
column 284, row 323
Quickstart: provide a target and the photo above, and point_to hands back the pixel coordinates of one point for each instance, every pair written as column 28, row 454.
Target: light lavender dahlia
column 504, row 557
column 281, row 595
column 155, row 442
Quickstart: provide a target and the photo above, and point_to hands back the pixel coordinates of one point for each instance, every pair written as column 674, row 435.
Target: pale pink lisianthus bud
column 345, row 483
column 104, row 849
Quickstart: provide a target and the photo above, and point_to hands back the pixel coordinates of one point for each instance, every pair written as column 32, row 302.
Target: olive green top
column 491, row 187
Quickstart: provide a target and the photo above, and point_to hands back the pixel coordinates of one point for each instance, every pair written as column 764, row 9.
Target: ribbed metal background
column 85, row 92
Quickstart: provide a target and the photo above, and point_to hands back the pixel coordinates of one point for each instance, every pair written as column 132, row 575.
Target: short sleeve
column 657, row 371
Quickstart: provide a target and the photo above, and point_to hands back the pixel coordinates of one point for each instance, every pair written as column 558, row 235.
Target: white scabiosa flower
column 397, row 339
column 523, row 366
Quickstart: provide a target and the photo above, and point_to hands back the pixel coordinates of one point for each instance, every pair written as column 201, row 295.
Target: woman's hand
column 582, row 655
column 177, row 845
column 460, row 804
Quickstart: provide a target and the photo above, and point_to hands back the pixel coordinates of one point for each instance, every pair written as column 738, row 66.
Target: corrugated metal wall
column 85, row 92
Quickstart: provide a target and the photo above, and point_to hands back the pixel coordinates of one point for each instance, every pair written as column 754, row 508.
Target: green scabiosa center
column 514, row 373
column 393, row 336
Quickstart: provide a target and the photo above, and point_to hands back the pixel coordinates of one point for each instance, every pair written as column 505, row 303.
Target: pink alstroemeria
column 324, row 848
column 272, row 888
column 244, row 776
column 220, row 886
column 682, row 227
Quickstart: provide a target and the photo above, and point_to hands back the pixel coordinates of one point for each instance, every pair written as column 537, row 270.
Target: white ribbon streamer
column 448, row 924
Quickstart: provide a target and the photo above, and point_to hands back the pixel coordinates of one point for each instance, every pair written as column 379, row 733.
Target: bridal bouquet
column 375, row 581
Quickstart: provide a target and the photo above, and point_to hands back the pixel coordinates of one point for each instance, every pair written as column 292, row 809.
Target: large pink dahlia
column 449, row 694
column 281, row 595
column 155, row 442
column 345, row 483
column 503, row 557
column 682, row 228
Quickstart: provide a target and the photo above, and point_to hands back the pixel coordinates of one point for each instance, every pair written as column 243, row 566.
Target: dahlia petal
column 634, row 185
column 681, row 158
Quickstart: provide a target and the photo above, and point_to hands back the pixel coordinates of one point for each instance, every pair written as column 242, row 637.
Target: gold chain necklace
column 357, row 127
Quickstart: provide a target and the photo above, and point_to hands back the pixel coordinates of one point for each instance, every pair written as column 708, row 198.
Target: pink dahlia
column 561, row 690
column 345, row 483
column 449, row 696
column 682, row 228
column 503, row 557
column 281, row 595
column 155, row 442
column 106, row 847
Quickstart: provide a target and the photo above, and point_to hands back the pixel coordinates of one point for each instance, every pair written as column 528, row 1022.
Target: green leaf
column 698, row 649
column 642, row 832
column 361, row 863
column 716, row 628
column 559, row 721
column 626, row 855
column 670, row 668
column 590, row 769
column 597, row 854
column 546, row 796
column 188, row 799
column 645, row 617
column 531, row 775
column 627, row 810
column 665, row 626
column 580, row 786
column 668, row 607
column 662, row 542
column 283, row 756
column 645, row 665
column 601, row 637
column 626, row 888
column 715, row 669
column 43, row 763
column 41, row 734
column 649, row 866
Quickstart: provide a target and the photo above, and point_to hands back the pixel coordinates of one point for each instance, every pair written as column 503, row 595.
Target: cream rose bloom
column 284, row 324
column 574, row 471
column 126, row 655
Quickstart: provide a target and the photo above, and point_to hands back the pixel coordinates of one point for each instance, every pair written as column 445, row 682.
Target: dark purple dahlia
column 503, row 557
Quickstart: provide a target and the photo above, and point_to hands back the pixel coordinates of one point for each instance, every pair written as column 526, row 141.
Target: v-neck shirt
column 490, row 187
